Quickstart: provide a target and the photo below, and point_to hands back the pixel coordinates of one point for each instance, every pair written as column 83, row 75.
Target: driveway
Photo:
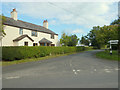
column 81, row 70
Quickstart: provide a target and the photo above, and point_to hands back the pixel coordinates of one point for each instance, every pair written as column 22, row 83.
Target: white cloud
column 74, row 31
column 87, row 14
column 77, row 31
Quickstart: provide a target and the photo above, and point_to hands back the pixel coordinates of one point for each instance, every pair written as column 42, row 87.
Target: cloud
column 87, row 14
column 74, row 31
column 77, row 31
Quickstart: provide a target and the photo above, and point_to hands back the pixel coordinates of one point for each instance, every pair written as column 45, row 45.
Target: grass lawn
column 106, row 55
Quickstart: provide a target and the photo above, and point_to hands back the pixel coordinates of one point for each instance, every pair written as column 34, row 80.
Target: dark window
column 52, row 44
column 41, row 44
column 52, row 36
column 35, row 44
column 20, row 31
column 34, row 33
column 48, row 44
column 26, row 43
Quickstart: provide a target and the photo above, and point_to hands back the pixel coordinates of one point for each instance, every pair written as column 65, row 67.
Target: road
column 81, row 70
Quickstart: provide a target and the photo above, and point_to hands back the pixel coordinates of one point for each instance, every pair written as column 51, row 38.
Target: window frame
column 52, row 36
column 25, row 43
column 21, row 31
column 34, row 33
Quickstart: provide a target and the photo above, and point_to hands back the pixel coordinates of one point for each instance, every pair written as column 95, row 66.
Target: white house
column 20, row 33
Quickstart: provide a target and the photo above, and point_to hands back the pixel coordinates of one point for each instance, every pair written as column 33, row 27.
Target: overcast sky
column 70, row 17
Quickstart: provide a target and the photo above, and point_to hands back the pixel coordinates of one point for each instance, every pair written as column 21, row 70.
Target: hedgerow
column 22, row 52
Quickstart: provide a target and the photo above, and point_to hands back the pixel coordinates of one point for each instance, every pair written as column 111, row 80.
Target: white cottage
column 20, row 33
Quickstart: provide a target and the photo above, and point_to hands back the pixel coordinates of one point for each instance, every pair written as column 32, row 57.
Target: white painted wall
column 21, row 42
column 13, row 32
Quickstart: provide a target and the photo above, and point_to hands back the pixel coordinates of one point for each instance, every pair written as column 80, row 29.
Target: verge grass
column 106, row 55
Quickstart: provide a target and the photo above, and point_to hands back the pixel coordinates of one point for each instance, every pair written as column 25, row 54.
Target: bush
column 22, row 52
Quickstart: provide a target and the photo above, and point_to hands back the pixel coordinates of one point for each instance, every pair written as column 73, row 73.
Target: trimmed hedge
column 22, row 52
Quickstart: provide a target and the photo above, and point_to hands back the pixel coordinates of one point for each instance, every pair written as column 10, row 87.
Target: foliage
column 71, row 40
column 22, row 52
column 106, row 55
column 84, row 40
column 2, row 20
column 117, row 21
column 99, row 36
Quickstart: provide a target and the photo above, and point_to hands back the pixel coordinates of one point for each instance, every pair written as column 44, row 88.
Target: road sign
column 113, row 41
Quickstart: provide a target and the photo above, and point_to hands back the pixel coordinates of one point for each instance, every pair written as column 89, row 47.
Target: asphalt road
column 81, row 70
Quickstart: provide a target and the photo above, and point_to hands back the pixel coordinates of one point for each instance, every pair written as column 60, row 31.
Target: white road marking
column 108, row 71
column 12, row 77
column 73, row 70
column 95, row 70
column 78, row 70
column 116, row 69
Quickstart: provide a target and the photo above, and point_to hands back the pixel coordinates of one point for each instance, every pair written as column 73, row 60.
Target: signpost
column 112, row 42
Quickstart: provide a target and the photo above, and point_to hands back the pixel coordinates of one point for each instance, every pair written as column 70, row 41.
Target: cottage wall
column 13, row 32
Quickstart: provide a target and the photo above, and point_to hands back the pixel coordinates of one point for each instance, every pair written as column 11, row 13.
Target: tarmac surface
column 81, row 70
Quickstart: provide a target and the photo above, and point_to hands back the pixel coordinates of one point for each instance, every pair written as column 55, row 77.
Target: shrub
column 22, row 52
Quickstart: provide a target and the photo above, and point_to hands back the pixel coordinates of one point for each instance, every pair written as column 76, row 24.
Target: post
column 110, row 49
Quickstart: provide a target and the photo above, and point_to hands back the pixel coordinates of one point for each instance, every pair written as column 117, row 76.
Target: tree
column 73, row 40
column 67, row 40
column 84, row 40
column 99, row 36
column 117, row 21
column 64, row 39
column 2, row 20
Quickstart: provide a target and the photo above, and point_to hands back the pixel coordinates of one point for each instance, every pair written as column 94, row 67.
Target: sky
column 69, row 17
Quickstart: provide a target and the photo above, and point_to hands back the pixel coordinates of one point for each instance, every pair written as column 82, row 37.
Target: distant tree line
column 99, row 36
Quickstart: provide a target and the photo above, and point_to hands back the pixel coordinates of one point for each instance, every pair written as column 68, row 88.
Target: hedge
column 22, row 52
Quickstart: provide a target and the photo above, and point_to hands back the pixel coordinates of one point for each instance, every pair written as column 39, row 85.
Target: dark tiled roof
column 26, row 25
column 44, row 40
column 23, row 36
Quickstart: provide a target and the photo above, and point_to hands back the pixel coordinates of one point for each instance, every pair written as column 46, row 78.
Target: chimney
column 14, row 14
column 45, row 24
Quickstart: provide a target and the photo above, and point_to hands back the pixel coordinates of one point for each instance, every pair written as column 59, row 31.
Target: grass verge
column 106, row 55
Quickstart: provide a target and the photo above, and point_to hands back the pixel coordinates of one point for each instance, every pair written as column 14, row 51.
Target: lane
column 82, row 70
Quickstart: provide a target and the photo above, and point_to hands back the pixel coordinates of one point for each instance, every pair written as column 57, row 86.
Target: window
column 35, row 44
column 34, row 33
column 52, row 44
column 20, row 31
column 41, row 44
column 25, row 43
column 52, row 36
